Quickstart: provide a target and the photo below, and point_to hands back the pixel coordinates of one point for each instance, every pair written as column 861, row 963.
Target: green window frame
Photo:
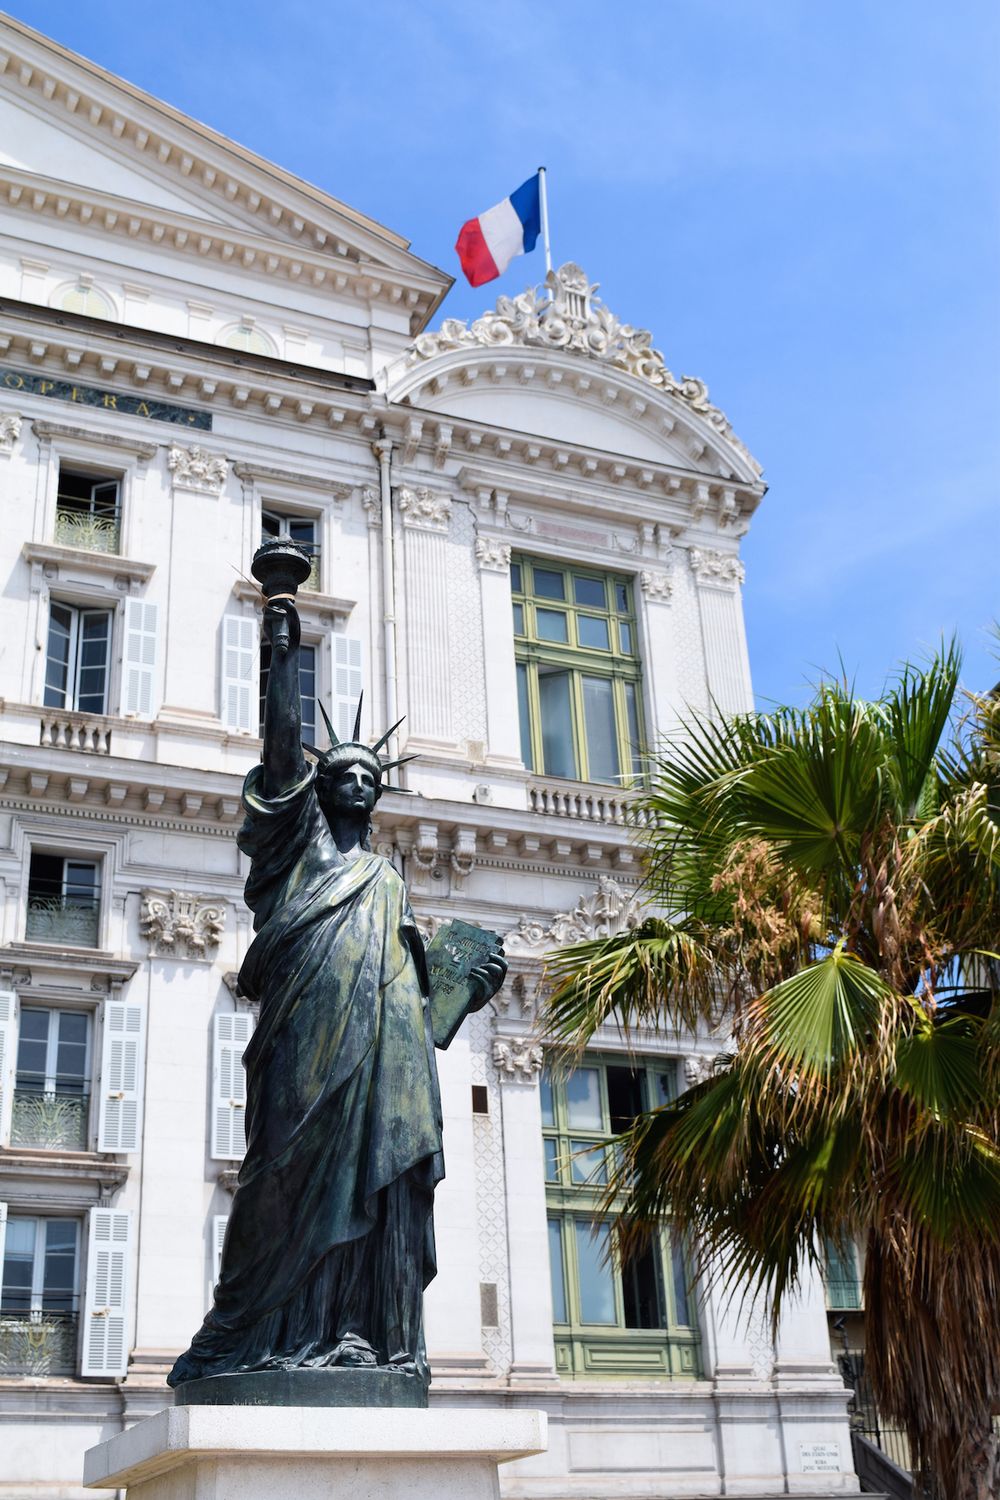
column 579, row 680
column 633, row 1320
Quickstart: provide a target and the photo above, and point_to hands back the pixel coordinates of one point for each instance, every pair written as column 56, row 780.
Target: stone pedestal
column 314, row 1453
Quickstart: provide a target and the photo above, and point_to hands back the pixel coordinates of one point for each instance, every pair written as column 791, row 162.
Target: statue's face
column 352, row 790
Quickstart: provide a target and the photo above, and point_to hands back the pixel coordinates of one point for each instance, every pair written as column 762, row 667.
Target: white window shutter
column 121, row 1075
column 105, row 1350
column 232, row 1031
column 219, row 1223
column 347, row 682
column 8, row 1058
column 3, row 1232
column 240, row 689
column 139, row 658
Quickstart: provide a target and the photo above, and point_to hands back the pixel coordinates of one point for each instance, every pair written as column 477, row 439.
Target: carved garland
column 610, row 910
column 568, row 316
column 195, row 469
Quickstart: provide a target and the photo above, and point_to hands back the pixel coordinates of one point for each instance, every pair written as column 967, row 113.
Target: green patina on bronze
column 330, row 1241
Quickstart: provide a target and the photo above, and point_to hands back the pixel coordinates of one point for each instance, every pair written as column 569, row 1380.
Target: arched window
column 248, row 337
column 81, row 297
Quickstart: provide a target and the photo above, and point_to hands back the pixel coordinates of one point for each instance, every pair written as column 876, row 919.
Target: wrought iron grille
column 90, row 532
column 62, row 919
column 53, row 1121
column 38, row 1343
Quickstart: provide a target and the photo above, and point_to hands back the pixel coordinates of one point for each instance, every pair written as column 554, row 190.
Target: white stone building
column 526, row 535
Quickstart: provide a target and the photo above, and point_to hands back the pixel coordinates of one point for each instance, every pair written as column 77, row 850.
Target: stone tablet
column 453, row 952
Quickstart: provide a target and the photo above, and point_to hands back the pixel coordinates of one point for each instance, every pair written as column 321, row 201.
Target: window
column 63, row 900
column 578, row 676
column 88, row 511
column 84, row 298
column 40, row 1296
column 610, row 1319
column 246, row 337
column 307, row 687
column 299, row 529
column 843, row 1281
column 77, row 658
column 51, row 1107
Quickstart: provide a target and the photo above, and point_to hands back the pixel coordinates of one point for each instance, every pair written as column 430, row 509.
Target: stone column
column 503, row 737
column 727, row 666
column 519, row 1062
column 659, row 651
column 812, row 1397
column 426, row 517
column 451, row 1304
column 738, row 1358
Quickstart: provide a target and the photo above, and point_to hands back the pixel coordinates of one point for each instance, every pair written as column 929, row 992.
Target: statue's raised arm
column 280, row 567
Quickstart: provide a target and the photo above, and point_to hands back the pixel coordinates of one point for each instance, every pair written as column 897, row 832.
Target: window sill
column 60, row 1180
column 105, row 566
column 311, row 605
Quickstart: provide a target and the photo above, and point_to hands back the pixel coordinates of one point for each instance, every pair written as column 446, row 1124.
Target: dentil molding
column 721, row 569
column 195, row 469
column 424, row 508
column 178, row 924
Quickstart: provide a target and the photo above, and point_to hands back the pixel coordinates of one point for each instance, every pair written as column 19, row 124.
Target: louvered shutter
column 240, row 690
column 232, row 1031
column 139, row 658
column 8, row 1055
column 219, row 1223
column 347, row 682
column 105, row 1351
column 3, row 1233
column 122, row 1040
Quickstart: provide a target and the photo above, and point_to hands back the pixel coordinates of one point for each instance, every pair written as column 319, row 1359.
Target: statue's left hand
column 486, row 978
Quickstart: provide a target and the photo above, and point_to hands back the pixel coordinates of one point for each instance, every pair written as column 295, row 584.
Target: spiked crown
column 344, row 753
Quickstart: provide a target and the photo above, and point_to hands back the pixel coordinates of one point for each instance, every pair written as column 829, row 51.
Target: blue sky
column 801, row 198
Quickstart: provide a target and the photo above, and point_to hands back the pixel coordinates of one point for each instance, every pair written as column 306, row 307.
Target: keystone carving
column 610, row 910
column 492, row 557
column 565, row 314
column 517, row 1061
column 698, row 1070
column 723, row 569
column 424, row 508
column 178, row 924
column 194, row 469
column 10, row 431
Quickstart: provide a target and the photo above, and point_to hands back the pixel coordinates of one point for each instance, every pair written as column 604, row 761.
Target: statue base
column 305, row 1453
column 356, row 1386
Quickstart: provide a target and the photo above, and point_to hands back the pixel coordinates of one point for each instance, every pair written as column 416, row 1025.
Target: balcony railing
column 59, row 919
column 75, row 528
column 56, row 1121
column 585, row 801
column 37, row 1343
column 72, row 731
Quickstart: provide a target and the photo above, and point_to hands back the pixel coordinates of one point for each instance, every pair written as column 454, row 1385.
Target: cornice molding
column 47, row 432
column 310, row 604
column 47, row 555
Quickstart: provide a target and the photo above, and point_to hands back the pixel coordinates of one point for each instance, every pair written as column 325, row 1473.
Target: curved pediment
column 558, row 363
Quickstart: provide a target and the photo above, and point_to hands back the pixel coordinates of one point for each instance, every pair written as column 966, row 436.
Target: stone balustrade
column 586, row 802
column 72, row 731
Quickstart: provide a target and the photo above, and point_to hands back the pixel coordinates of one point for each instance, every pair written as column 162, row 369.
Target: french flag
column 487, row 244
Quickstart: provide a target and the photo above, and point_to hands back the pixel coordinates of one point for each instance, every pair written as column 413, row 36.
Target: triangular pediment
column 64, row 120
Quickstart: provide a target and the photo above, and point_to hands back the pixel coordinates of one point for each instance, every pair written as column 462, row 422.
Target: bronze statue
column 330, row 1241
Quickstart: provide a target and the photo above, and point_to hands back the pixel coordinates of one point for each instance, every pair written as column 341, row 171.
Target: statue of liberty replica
column 330, row 1240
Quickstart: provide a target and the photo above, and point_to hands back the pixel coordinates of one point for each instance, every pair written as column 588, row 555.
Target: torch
column 279, row 567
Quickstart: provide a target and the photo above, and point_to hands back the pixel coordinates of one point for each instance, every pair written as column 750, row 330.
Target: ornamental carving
column 656, row 586
column 492, row 557
column 516, row 1060
column 194, row 469
column 723, row 569
column 178, row 924
column 424, row 508
column 10, row 431
column 698, row 1070
column 567, row 315
column 610, row 910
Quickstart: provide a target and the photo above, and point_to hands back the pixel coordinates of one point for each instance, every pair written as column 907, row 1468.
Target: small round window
column 248, row 338
column 86, row 299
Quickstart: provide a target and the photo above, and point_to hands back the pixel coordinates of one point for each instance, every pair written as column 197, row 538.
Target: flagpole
column 544, row 205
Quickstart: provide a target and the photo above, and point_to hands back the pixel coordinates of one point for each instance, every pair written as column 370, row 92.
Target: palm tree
column 827, row 880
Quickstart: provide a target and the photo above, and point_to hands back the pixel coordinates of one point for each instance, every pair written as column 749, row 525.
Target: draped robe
column 330, row 1237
